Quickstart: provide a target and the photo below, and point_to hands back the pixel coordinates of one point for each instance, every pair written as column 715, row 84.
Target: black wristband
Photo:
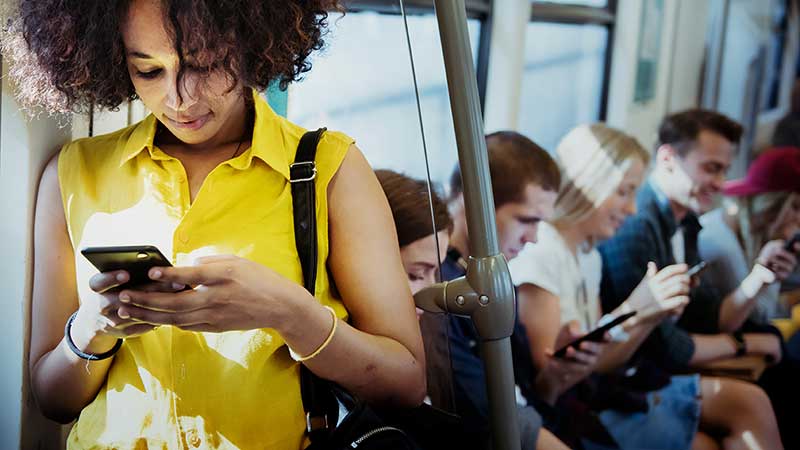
column 741, row 345
column 81, row 353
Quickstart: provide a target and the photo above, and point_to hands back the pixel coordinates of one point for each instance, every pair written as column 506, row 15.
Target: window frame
column 548, row 12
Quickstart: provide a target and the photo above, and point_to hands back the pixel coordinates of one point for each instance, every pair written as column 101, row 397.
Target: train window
column 597, row 3
column 362, row 83
column 562, row 80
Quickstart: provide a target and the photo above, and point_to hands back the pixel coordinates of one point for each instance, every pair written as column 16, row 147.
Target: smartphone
column 595, row 335
column 697, row 269
column 137, row 260
column 789, row 247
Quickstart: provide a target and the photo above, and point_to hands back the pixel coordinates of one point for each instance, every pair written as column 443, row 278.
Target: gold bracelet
column 322, row 346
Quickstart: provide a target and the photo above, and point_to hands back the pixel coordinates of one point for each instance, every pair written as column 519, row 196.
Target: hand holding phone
column 791, row 244
column 596, row 335
column 137, row 260
column 780, row 256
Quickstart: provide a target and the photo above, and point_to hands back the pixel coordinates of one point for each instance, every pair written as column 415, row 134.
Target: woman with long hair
column 744, row 240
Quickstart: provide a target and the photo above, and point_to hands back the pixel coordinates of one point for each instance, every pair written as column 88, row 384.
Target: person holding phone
column 422, row 252
column 746, row 239
column 525, row 181
column 559, row 289
column 695, row 148
column 205, row 178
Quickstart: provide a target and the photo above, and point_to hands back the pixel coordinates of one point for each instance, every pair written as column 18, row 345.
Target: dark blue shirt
column 646, row 236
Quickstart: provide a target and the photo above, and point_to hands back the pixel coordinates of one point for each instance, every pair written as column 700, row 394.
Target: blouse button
column 194, row 439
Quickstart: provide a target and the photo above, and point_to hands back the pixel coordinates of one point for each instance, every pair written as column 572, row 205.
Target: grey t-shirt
column 728, row 266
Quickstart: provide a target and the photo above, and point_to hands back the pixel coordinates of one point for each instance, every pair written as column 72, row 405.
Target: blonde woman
column 559, row 284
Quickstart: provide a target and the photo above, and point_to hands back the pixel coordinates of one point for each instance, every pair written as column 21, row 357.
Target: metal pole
column 487, row 273
column 474, row 162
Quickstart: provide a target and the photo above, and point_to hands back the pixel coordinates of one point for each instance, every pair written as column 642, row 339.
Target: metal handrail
column 486, row 293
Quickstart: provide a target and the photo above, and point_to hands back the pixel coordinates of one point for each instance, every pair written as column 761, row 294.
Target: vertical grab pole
column 488, row 272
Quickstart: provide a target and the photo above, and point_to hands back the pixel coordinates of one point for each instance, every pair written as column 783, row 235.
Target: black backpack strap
column 318, row 400
column 302, row 174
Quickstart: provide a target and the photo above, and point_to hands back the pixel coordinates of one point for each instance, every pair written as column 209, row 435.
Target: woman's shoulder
column 331, row 139
column 540, row 260
column 100, row 148
column 331, row 149
column 549, row 243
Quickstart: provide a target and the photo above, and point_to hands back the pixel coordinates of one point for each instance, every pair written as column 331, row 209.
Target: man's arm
column 625, row 259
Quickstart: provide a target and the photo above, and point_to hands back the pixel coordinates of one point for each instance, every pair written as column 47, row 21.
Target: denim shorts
column 670, row 422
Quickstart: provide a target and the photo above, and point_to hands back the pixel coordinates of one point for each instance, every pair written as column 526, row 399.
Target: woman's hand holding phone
column 661, row 293
column 778, row 258
column 231, row 293
column 98, row 324
column 561, row 373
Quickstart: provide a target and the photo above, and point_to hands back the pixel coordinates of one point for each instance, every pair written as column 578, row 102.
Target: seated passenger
column 744, row 241
column 525, row 182
column 422, row 251
column 695, row 151
column 559, row 284
column 205, row 178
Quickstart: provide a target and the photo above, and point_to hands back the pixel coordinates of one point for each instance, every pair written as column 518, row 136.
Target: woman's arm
column 380, row 357
column 61, row 382
column 540, row 313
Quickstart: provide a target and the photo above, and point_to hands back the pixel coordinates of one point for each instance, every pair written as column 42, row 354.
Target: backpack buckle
column 316, row 423
column 305, row 171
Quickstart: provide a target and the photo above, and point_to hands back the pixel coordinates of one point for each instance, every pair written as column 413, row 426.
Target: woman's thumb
column 652, row 269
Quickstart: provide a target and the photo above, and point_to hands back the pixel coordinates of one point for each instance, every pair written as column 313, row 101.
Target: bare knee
column 752, row 406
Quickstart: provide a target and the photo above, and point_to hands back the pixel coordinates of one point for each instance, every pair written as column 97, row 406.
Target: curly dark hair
column 68, row 55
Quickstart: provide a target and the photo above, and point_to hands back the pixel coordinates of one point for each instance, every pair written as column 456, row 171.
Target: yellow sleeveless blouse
column 174, row 389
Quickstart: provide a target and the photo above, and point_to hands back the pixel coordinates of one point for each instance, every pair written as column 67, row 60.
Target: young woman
column 744, row 241
column 418, row 237
column 423, row 243
column 559, row 281
column 205, row 178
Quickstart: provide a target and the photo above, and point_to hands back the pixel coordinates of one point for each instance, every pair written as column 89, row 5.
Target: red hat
column 774, row 170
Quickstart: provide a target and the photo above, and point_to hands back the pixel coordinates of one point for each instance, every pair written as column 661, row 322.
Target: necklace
column 248, row 119
column 235, row 152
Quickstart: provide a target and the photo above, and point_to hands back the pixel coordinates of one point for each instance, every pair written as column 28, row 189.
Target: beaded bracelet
column 81, row 353
column 322, row 346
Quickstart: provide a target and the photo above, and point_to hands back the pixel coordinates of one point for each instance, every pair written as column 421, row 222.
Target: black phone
column 697, row 269
column 137, row 260
column 595, row 335
column 790, row 244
